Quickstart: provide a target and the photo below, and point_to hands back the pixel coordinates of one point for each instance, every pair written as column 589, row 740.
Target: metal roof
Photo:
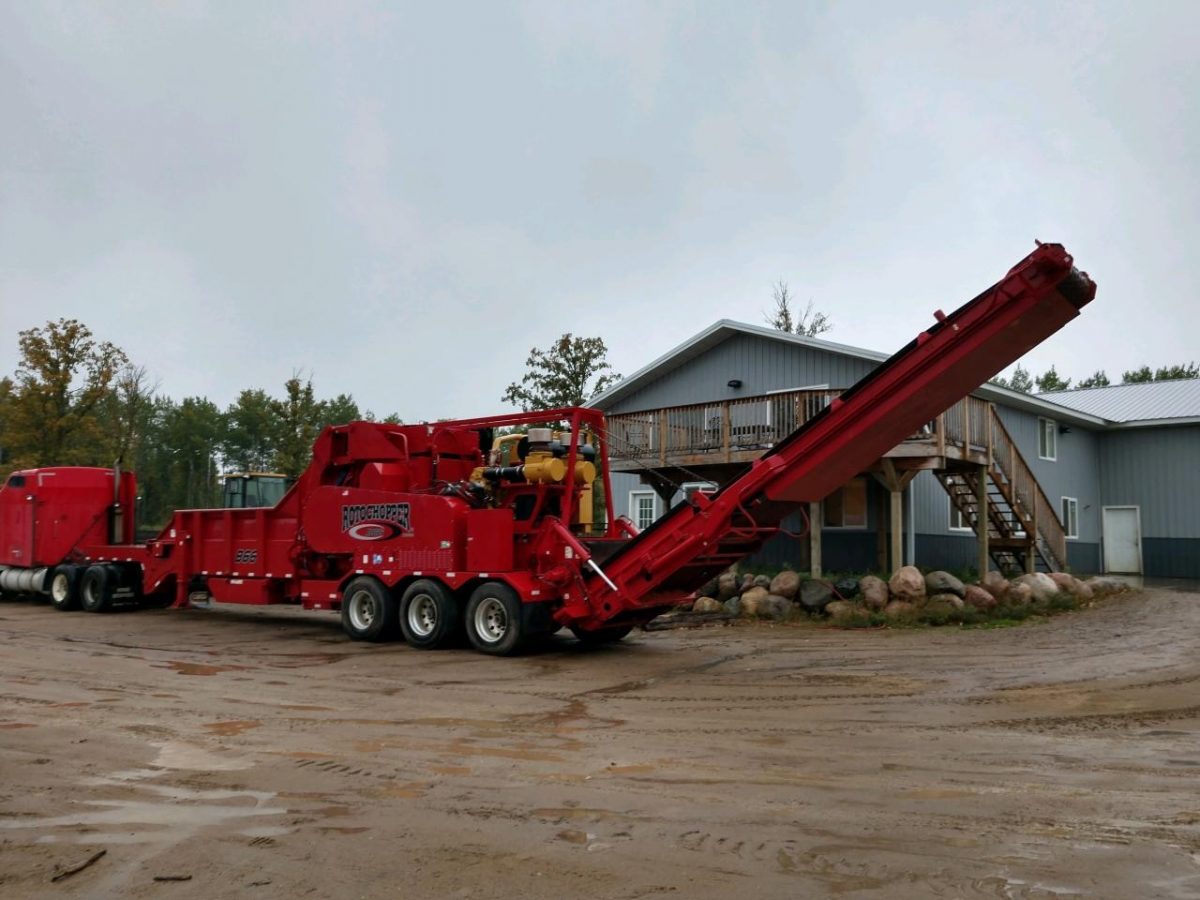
column 1154, row 401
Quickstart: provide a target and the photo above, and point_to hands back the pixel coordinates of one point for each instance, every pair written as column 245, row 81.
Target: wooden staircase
column 1023, row 529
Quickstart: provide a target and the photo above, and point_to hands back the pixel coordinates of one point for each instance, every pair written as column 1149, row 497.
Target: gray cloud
column 402, row 200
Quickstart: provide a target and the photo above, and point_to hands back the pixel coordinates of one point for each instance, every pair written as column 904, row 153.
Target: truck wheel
column 96, row 589
column 428, row 615
column 601, row 636
column 64, row 588
column 494, row 619
column 368, row 610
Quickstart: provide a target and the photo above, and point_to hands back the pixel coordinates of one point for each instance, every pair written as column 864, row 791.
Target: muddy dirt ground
column 260, row 754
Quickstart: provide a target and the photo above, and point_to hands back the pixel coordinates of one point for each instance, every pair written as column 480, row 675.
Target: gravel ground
column 257, row 753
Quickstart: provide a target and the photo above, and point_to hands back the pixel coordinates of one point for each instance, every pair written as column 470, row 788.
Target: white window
column 690, row 487
column 643, row 508
column 957, row 522
column 1047, row 439
column 847, row 506
column 1070, row 516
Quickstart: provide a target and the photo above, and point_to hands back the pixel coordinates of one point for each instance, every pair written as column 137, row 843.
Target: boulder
column 1041, row 586
column 733, row 606
column 1068, row 584
column 786, row 584
column 727, row 585
column 874, row 593
column 1085, row 591
column 944, row 602
column 995, row 584
column 815, row 595
column 774, row 607
column 762, row 581
column 1019, row 594
column 747, row 583
column 709, row 589
column 943, row 583
column 1101, row 585
column 977, row 598
column 842, row 609
column 751, row 599
column 707, row 605
column 846, row 587
column 900, row 609
column 908, row 584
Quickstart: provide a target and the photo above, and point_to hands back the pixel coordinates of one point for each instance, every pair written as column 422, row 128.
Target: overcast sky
column 402, row 199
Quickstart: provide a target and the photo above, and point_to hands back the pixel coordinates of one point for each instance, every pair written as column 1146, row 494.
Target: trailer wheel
column 64, row 588
column 494, row 619
column 96, row 589
column 429, row 616
column 601, row 636
column 368, row 610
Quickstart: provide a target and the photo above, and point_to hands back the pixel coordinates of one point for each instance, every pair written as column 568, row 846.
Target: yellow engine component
column 544, row 468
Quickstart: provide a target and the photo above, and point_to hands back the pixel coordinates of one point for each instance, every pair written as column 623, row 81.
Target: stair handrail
column 1038, row 515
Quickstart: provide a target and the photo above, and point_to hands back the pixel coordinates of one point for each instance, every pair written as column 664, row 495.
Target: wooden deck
column 967, row 447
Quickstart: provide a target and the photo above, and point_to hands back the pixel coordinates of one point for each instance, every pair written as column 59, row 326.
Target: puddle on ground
column 227, row 729
column 187, row 668
column 158, row 814
column 177, row 755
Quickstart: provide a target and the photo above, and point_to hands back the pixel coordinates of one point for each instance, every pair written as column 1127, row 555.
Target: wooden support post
column 814, row 538
column 726, row 432
column 981, row 520
column 881, row 541
column 897, row 511
column 662, row 437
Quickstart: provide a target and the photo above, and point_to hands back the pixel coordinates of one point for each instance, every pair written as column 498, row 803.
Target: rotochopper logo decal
column 376, row 521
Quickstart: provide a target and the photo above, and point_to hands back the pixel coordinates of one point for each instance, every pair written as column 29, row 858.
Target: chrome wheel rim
column 422, row 615
column 59, row 589
column 491, row 620
column 363, row 610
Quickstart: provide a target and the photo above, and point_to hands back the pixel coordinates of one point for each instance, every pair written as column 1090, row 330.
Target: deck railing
column 720, row 428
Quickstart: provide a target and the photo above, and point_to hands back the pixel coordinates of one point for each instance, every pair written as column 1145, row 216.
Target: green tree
column 251, row 432
column 804, row 322
column 297, row 421
column 62, row 381
column 1097, row 379
column 568, row 373
column 127, row 413
column 1163, row 373
column 339, row 410
column 1177, row 372
column 1050, row 381
column 6, row 399
column 1020, row 380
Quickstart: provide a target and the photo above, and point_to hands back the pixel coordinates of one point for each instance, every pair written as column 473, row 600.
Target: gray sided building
column 1093, row 480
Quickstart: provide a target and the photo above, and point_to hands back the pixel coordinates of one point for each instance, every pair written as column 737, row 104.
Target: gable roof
column 724, row 329
column 1155, row 402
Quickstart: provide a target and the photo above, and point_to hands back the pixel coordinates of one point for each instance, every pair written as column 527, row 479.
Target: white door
column 1122, row 540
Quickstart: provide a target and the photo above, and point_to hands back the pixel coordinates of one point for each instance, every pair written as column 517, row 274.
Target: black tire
column 493, row 620
column 64, row 588
column 369, row 610
column 96, row 589
column 429, row 617
column 601, row 636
